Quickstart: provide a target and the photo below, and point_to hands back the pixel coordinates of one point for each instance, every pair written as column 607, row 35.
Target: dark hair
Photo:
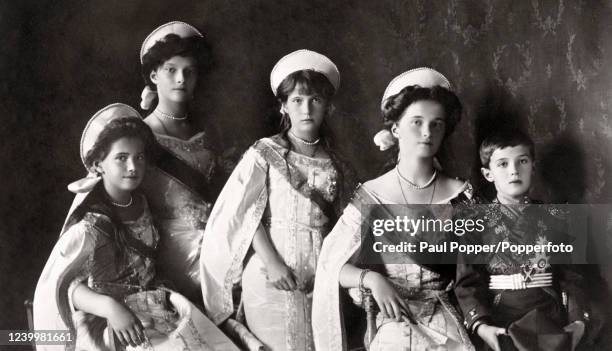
column 310, row 82
column 97, row 201
column 129, row 127
column 173, row 45
column 395, row 105
column 503, row 139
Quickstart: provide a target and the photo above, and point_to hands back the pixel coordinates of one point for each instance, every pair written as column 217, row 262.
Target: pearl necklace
column 169, row 116
column 305, row 142
column 123, row 205
column 415, row 186
column 404, row 195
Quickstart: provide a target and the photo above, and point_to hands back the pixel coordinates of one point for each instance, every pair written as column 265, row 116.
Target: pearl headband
column 424, row 77
column 304, row 60
column 182, row 29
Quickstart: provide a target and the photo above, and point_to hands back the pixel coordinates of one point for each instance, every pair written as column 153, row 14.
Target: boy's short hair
column 500, row 140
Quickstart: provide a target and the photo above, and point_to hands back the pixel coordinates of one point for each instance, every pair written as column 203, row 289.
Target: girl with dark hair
column 99, row 282
column 181, row 188
column 266, row 229
column 415, row 309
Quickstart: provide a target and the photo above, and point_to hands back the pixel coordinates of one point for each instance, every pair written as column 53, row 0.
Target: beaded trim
column 144, row 43
column 403, row 75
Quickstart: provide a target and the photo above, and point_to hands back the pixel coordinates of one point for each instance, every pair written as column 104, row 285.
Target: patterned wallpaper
column 541, row 65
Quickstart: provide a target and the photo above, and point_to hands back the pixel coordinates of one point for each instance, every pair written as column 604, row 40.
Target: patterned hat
column 182, row 29
column 423, row 76
column 304, row 60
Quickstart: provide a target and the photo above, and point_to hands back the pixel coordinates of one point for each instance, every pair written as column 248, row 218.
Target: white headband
column 423, row 76
column 182, row 29
column 304, row 60
column 98, row 122
column 94, row 127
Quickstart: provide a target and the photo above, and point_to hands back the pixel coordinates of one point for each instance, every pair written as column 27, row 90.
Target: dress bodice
column 193, row 151
column 287, row 205
column 172, row 200
column 108, row 272
column 409, row 278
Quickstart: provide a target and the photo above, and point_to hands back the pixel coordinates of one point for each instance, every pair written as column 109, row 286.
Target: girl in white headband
column 100, row 281
column 266, row 228
column 414, row 311
column 181, row 189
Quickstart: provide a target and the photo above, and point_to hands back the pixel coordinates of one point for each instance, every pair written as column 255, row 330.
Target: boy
column 517, row 301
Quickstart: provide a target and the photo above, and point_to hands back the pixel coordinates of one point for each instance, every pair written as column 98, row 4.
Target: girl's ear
column 153, row 76
column 97, row 168
column 394, row 130
column 487, row 174
column 283, row 109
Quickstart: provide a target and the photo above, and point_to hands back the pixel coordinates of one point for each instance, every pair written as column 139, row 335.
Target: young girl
column 99, row 279
column 268, row 224
column 181, row 189
column 416, row 313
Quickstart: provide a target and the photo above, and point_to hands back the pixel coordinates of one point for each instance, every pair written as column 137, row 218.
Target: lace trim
column 253, row 216
column 196, row 144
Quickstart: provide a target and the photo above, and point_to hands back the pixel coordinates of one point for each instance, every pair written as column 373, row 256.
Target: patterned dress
column 425, row 288
column 86, row 253
column 180, row 212
column 272, row 191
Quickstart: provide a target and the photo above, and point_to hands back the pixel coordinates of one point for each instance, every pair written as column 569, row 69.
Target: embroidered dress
column 86, row 253
column 424, row 288
column 271, row 190
column 181, row 211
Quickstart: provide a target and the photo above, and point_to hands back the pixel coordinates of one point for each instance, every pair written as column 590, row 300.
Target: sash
column 363, row 201
column 105, row 225
column 276, row 155
column 176, row 168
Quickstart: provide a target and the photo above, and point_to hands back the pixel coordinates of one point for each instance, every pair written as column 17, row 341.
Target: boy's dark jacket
column 532, row 224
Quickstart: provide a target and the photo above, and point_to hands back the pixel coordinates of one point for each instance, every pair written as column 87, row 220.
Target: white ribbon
column 147, row 97
column 84, row 185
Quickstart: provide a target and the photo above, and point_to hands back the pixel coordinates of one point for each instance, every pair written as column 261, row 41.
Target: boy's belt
column 520, row 281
